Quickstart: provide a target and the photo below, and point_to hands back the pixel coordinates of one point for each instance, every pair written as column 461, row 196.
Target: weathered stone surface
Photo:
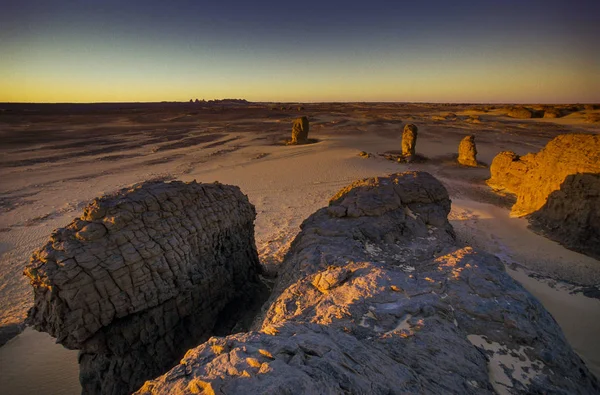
column 142, row 276
column 534, row 177
column 409, row 140
column 300, row 129
column 467, row 152
column 571, row 214
column 375, row 297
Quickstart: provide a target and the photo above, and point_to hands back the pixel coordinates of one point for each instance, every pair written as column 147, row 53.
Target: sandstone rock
column 375, row 297
column 409, row 140
column 467, row 152
column 534, row 177
column 552, row 113
column 142, row 276
column 300, row 130
column 571, row 214
column 520, row 113
column 507, row 171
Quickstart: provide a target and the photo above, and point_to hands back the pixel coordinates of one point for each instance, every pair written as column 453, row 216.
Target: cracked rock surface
column 142, row 276
column 376, row 297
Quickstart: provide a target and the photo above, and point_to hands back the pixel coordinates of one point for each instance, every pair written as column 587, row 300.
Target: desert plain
column 56, row 158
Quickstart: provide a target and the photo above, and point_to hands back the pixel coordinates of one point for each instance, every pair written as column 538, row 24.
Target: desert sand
column 56, row 159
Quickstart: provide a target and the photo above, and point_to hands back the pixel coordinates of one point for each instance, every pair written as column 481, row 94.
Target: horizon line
column 304, row 102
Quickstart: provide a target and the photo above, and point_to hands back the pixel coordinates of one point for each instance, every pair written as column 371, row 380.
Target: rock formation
column 533, row 177
column 300, row 130
column 520, row 113
column 552, row 113
column 571, row 214
column 467, row 152
column 409, row 140
column 375, row 297
column 143, row 276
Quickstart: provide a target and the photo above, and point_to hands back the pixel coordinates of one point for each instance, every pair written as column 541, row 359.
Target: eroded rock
column 467, row 152
column 409, row 140
column 520, row 113
column 571, row 214
column 552, row 113
column 533, row 177
column 300, row 130
column 375, row 297
column 142, row 276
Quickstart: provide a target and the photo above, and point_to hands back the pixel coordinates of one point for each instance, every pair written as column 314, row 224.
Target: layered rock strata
column 376, row 297
column 142, row 276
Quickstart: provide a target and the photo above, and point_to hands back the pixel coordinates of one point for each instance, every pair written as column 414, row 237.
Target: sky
column 307, row 51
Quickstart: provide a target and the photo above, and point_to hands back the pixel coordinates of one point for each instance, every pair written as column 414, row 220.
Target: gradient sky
column 440, row 51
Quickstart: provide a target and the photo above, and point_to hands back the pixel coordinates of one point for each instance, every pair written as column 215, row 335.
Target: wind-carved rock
column 300, row 130
column 142, row 276
column 409, row 141
column 467, row 152
column 537, row 180
column 533, row 177
column 376, row 297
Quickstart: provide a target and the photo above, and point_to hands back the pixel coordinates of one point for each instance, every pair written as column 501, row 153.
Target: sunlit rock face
column 409, row 141
column 300, row 129
column 467, row 152
column 520, row 113
column 142, row 276
column 535, row 176
column 558, row 188
column 571, row 214
column 376, row 297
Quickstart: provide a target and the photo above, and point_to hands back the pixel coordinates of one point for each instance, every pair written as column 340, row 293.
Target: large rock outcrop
column 533, row 177
column 375, row 297
column 300, row 129
column 144, row 275
column 571, row 214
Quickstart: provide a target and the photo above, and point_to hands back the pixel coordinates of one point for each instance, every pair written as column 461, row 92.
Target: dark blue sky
column 544, row 51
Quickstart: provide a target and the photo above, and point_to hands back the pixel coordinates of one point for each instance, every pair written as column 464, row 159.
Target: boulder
column 533, row 177
column 376, row 297
column 142, row 276
column 409, row 140
column 300, row 130
column 571, row 215
column 467, row 152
